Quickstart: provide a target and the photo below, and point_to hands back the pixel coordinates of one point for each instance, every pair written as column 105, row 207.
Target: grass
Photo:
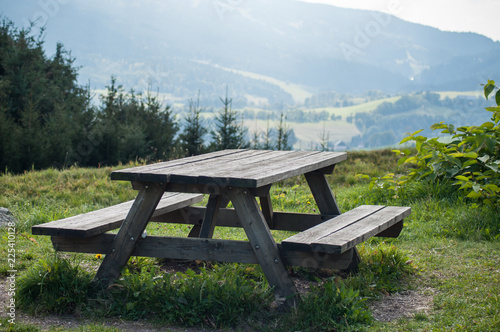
column 447, row 250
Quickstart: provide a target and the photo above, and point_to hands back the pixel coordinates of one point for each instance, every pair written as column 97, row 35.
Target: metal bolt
column 132, row 239
column 245, row 192
column 276, row 261
column 113, row 250
column 257, row 247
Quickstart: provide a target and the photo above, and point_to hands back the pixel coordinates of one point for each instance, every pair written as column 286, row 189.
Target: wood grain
column 103, row 220
column 236, row 168
column 344, row 232
column 130, row 231
column 201, row 249
column 263, row 245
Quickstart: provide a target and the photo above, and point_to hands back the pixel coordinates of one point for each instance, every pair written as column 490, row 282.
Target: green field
column 309, row 133
column 441, row 274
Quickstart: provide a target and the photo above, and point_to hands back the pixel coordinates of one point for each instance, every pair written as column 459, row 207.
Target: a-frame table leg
column 267, row 209
column 322, row 193
column 132, row 228
column 208, row 226
column 327, row 204
column 263, row 245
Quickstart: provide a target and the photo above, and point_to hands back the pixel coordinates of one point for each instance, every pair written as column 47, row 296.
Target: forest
column 48, row 120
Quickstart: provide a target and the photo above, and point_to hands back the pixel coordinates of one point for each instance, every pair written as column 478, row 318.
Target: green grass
column 447, row 250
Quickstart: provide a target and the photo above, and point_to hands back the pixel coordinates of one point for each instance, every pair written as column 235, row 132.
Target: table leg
column 132, row 228
column 322, row 193
column 208, row 226
column 196, row 231
column 267, row 209
column 263, row 245
column 327, row 204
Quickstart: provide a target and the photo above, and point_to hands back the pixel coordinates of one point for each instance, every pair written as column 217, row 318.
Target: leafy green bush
column 470, row 157
column 467, row 156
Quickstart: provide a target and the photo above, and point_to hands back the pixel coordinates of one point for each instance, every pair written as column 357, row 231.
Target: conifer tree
column 194, row 130
column 43, row 111
column 267, row 137
column 283, row 135
column 228, row 133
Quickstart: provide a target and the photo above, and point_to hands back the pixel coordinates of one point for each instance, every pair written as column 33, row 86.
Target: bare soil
column 402, row 305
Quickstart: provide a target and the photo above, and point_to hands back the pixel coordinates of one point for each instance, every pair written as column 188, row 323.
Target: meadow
column 441, row 274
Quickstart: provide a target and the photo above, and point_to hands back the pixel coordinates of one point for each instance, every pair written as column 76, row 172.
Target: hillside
column 257, row 48
column 441, row 273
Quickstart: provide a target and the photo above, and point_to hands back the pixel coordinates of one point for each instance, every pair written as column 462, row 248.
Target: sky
column 479, row 16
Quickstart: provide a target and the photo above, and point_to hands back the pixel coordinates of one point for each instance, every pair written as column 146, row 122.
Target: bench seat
column 344, row 232
column 103, row 220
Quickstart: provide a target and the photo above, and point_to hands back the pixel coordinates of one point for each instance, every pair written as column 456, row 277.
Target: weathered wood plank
column 103, row 220
column 304, row 240
column 295, row 167
column 188, row 170
column 392, row 231
column 130, row 231
column 200, row 249
column 263, row 244
column 322, row 193
column 361, row 230
column 240, row 169
column 133, row 174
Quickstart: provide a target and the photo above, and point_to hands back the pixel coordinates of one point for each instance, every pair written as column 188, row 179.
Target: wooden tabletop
column 238, row 168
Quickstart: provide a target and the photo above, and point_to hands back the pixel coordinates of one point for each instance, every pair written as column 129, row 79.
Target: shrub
column 468, row 157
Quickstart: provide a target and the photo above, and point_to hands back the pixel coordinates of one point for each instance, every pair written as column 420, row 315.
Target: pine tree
column 267, row 137
column 283, row 135
column 228, row 133
column 192, row 136
column 42, row 108
column 324, row 140
column 161, row 127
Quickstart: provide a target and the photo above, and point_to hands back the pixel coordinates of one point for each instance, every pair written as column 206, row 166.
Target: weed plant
column 329, row 307
column 53, row 285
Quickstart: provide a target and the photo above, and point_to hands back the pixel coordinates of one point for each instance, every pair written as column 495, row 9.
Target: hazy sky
column 479, row 16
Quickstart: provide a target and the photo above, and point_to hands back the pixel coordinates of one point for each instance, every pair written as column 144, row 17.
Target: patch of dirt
column 402, row 305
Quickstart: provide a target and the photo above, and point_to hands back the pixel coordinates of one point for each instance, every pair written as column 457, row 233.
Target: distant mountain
column 183, row 47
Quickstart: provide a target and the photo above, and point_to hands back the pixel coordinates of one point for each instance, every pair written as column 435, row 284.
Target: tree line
column 48, row 120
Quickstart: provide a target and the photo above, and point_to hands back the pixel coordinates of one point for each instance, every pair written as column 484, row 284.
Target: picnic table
column 168, row 190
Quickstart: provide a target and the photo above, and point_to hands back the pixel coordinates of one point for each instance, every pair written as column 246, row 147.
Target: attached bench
column 340, row 235
column 328, row 244
column 100, row 221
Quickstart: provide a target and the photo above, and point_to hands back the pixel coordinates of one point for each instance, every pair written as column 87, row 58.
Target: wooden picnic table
column 325, row 239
